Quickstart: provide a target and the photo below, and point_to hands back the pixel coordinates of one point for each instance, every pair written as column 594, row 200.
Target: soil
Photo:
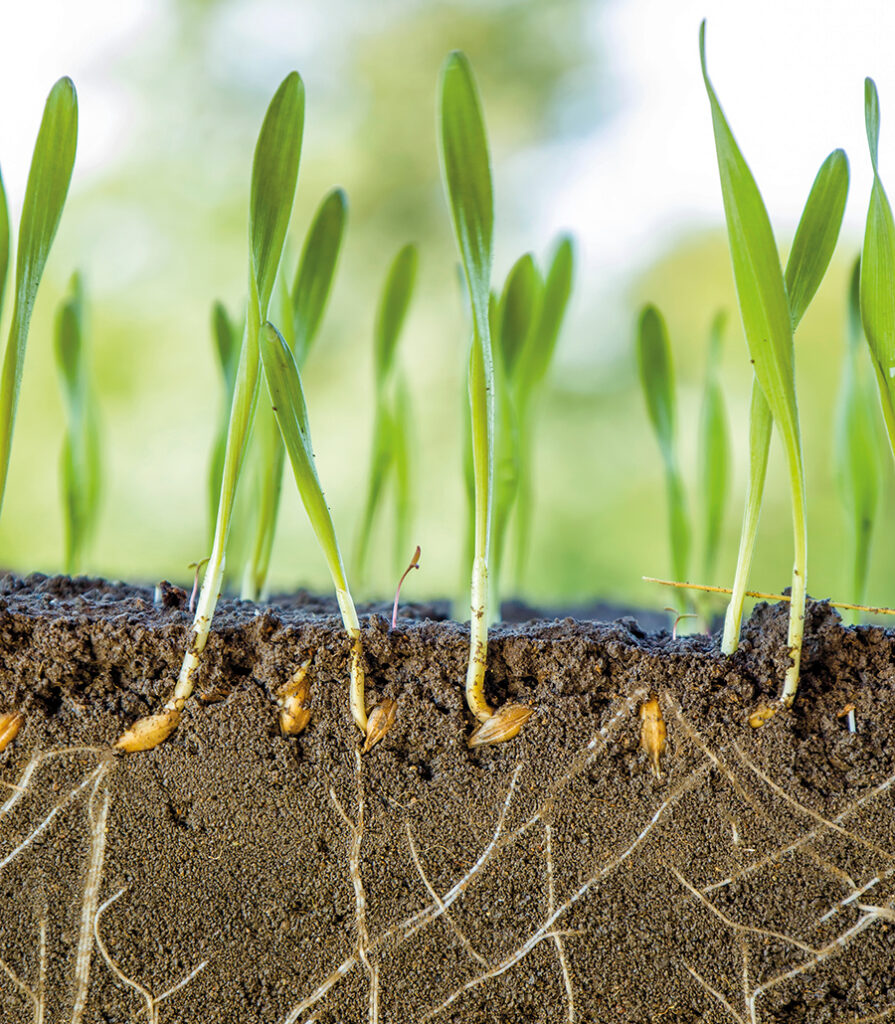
column 554, row 878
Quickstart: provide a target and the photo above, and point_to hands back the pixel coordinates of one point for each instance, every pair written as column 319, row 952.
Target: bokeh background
column 599, row 125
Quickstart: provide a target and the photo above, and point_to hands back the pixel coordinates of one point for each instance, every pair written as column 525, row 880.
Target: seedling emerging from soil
column 769, row 309
column 389, row 455
column 414, row 564
column 48, row 181
column 80, row 464
column 284, row 383
column 528, row 372
column 226, row 346
column 878, row 272
column 466, row 172
column 657, row 378
column 809, row 258
column 856, row 451
column 274, row 177
column 301, row 314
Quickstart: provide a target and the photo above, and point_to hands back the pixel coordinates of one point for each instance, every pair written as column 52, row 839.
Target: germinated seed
column 503, row 725
column 381, row 719
column 652, row 732
column 10, row 723
column 148, row 732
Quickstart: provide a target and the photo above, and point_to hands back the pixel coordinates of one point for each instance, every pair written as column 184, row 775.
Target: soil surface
column 233, row 875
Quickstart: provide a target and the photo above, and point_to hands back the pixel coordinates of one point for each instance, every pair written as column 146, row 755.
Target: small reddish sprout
column 198, row 567
column 414, row 564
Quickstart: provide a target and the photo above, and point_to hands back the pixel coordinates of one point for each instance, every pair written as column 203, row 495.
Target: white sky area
column 789, row 74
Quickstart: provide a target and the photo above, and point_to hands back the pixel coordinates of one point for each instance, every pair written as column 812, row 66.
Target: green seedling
column 878, row 272
column 769, row 306
column 812, row 250
column 45, row 193
column 714, row 450
column 855, row 451
column 226, row 338
column 657, row 378
column 80, row 462
column 274, row 178
column 287, row 398
column 466, row 173
column 528, row 373
column 301, row 313
column 389, row 455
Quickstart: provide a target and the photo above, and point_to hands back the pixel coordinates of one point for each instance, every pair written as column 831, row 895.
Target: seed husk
column 10, row 723
column 294, row 716
column 763, row 715
column 381, row 719
column 503, row 725
column 148, row 732
column 652, row 732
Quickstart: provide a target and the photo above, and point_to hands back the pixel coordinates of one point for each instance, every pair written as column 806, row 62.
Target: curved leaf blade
column 392, row 311
column 817, row 234
column 274, row 178
column 657, row 376
column 517, row 311
column 316, row 270
column 5, row 242
column 714, row 449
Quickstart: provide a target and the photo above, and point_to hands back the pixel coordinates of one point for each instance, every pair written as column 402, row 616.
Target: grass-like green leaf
column 856, row 452
column 226, row 337
column 767, row 322
column 316, row 270
column 528, row 378
column 878, row 272
column 517, row 311
column 287, row 397
column 301, row 315
column 272, row 193
column 466, row 174
column 80, row 462
column 812, row 250
column 5, row 242
column 45, row 193
column 390, row 441
column 714, row 450
column 657, row 379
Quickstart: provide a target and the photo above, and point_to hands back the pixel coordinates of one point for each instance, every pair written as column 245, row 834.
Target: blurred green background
column 158, row 229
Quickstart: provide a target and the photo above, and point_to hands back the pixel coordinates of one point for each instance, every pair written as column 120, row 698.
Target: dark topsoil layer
column 553, row 878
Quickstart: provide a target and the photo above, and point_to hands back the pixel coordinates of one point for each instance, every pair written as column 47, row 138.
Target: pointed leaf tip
column 871, row 120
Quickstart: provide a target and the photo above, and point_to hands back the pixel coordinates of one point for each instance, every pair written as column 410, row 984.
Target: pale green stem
column 481, row 407
column 799, row 572
column 270, row 484
column 760, row 424
column 356, row 682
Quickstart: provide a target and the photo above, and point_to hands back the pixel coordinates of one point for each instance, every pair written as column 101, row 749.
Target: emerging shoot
column 768, row 309
column 657, row 378
column 287, row 397
column 389, row 456
column 274, row 177
column 466, row 174
column 80, row 462
column 414, row 564
column 48, row 181
column 856, row 451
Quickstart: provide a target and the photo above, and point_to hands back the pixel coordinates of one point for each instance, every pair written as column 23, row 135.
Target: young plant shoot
column 466, row 173
column 855, row 451
column 768, row 309
column 657, row 378
column 390, row 441
column 274, row 178
column 714, row 451
column 80, row 464
column 812, row 250
column 878, row 272
column 301, row 314
column 528, row 373
column 48, row 181
column 226, row 346
column 287, row 397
